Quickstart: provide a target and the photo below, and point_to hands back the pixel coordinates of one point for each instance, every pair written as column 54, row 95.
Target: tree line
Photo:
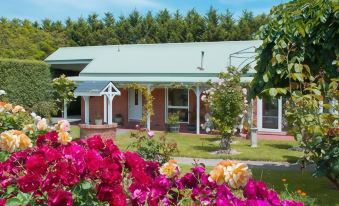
column 25, row 39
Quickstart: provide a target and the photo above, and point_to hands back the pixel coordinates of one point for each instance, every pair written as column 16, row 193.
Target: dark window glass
column 177, row 97
column 270, row 113
column 136, row 97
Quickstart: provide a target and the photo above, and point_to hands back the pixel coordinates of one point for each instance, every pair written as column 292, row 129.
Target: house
column 175, row 73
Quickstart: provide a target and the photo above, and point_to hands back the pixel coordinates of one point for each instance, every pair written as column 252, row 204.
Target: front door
column 269, row 114
column 134, row 105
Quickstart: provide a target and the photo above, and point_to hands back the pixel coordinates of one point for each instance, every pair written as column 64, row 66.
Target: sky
column 62, row 9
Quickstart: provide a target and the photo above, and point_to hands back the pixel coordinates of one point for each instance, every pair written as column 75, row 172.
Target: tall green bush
column 27, row 83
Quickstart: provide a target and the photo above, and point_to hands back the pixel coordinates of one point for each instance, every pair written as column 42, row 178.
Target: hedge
column 26, row 82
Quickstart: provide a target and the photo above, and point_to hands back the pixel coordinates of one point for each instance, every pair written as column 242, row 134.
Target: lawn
column 318, row 188
column 201, row 146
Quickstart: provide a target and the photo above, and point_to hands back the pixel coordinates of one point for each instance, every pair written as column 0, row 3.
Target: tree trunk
column 225, row 143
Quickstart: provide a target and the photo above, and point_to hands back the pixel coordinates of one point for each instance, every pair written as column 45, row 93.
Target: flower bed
column 45, row 167
column 91, row 171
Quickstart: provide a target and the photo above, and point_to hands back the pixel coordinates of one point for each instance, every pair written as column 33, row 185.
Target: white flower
column 208, row 129
column 33, row 115
column 42, row 124
column 2, row 92
column 203, row 98
column 244, row 91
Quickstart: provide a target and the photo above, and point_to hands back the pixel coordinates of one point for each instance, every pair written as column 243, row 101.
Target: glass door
column 270, row 114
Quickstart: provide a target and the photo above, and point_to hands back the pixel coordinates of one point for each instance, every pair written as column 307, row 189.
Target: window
column 177, row 102
column 136, row 97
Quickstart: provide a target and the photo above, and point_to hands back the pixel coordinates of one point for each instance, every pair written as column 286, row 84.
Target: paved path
column 252, row 164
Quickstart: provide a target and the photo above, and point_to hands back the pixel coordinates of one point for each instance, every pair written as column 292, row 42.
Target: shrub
column 26, row 82
column 173, row 119
column 151, row 148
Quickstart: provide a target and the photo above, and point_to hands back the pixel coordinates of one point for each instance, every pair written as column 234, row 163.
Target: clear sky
column 61, row 9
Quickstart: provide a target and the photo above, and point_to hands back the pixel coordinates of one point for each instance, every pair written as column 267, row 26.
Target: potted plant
column 173, row 122
column 98, row 119
column 118, row 119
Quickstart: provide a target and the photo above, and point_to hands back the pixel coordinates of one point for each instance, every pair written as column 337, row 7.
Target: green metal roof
column 170, row 62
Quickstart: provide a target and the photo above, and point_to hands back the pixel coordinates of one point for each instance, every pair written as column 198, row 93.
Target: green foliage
column 63, row 90
column 173, row 119
column 317, row 132
column 298, row 57
column 151, row 148
column 299, row 196
column 24, row 39
column 27, row 83
column 301, row 37
column 226, row 103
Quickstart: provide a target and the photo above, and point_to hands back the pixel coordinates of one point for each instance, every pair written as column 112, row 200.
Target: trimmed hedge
column 26, row 82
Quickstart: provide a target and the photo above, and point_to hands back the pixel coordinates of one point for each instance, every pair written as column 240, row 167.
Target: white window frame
column 259, row 116
column 167, row 106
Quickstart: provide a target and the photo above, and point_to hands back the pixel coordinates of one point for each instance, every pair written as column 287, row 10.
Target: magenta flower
column 95, row 142
column 60, row 198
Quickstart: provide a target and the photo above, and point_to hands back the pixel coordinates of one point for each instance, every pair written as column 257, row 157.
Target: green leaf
column 298, row 68
column 86, row 185
column 13, row 202
column 265, row 77
column 273, row 92
column 280, row 58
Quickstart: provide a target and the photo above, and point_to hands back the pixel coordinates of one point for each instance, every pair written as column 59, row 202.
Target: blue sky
column 61, row 9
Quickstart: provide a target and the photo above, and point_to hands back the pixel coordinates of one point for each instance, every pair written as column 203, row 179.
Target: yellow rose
column 170, row 169
column 28, row 128
column 17, row 109
column 64, row 138
column 226, row 163
column 8, row 106
column 9, row 141
column 25, row 141
column 237, row 175
column 217, row 175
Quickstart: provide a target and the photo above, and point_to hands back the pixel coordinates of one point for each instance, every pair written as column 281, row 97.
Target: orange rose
column 217, row 175
column 226, row 163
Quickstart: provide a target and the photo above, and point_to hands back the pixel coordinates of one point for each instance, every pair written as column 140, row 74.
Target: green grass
column 201, row 146
column 318, row 188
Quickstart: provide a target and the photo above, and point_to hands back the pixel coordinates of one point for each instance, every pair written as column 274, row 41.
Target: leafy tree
column 299, row 59
column 226, row 103
column 63, row 90
column 299, row 32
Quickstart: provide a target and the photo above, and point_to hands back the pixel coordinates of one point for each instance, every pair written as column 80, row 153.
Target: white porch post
column 86, row 99
column 148, row 123
column 197, row 93
column 105, row 108
column 65, row 109
column 110, row 100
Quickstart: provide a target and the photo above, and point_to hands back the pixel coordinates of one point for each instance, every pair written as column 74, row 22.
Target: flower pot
column 98, row 121
column 173, row 128
column 118, row 120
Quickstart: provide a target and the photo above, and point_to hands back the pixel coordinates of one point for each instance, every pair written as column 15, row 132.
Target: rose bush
column 96, row 172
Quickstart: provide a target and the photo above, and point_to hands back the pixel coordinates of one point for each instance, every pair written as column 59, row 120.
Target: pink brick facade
column 120, row 106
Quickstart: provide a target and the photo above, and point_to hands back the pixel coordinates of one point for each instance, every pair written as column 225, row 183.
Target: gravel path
column 284, row 166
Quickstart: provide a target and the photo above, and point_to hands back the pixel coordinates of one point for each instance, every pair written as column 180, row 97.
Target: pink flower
column 36, row 164
column 151, row 134
column 29, row 183
column 250, row 190
column 2, row 202
column 95, row 142
column 60, row 198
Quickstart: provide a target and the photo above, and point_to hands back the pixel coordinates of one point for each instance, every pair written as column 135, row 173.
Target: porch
column 127, row 107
